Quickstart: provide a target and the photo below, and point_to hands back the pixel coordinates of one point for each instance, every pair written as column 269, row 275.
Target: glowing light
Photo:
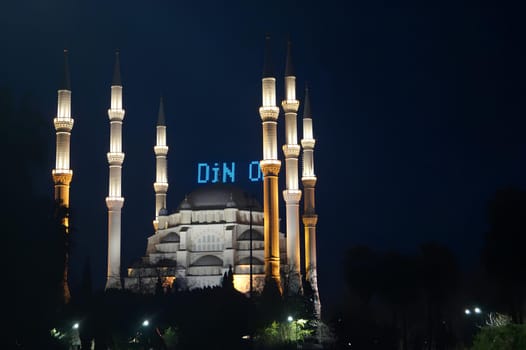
column 477, row 310
column 145, row 323
column 168, row 281
column 226, row 172
column 467, row 312
column 76, row 326
column 290, row 319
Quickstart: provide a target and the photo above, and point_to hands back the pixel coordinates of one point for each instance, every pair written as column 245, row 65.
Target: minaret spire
column 268, row 71
column 270, row 166
column 289, row 68
column 62, row 174
column 117, row 71
column 115, row 201
column 306, row 104
column 160, row 149
column 161, row 119
column 66, row 80
column 310, row 218
column 292, row 193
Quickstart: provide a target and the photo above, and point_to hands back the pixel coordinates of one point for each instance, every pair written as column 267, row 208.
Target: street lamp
column 75, row 326
column 290, row 319
column 145, row 323
column 474, row 321
column 476, row 310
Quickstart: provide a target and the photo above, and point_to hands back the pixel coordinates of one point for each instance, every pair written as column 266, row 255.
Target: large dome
column 218, row 196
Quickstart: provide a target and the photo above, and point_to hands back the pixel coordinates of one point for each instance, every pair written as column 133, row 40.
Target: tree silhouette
column 228, row 279
column 503, row 254
column 36, row 245
column 399, row 289
column 403, row 298
column 361, row 264
column 440, row 277
column 270, row 302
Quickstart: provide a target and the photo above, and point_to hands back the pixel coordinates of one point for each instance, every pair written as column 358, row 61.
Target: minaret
column 270, row 166
column 292, row 194
column 309, row 214
column 161, row 173
column 62, row 174
column 115, row 201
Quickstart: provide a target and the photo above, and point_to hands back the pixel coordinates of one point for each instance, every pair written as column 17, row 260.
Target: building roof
column 219, row 196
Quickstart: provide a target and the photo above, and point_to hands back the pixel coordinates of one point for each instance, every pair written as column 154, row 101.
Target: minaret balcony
column 292, row 196
column 160, row 150
column 308, row 143
column 115, row 158
column 64, row 125
column 291, row 151
column 114, row 202
column 309, row 180
column 160, row 187
column 310, row 219
column 62, row 176
column 116, row 114
column 269, row 113
column 270, row 167
column 290, row 106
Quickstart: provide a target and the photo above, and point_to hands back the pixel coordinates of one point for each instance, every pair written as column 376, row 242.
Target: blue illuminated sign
column 225, row 172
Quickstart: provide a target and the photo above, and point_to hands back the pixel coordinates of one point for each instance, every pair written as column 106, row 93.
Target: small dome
column 231, row 203
column 256, row 236
column 185, row 205
column 208, row 260
column 171, row 237
column 219, row 196
column 246, row 261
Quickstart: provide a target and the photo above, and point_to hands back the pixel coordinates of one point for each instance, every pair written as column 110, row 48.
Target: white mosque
column 217, row 229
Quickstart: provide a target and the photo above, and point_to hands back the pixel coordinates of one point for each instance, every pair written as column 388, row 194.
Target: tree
column 361, row 265
column 228, row 279
column 439, row 274
column 36, row 246
column 507, row 337
column 399, row 289
column 503, row 255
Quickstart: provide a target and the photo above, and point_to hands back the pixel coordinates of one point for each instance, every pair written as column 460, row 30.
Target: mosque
column 217, row 229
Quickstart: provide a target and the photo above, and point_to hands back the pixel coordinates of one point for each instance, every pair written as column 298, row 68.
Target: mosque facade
column 217, row 230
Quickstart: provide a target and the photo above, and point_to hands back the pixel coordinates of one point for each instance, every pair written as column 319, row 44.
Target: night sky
column 418, row 110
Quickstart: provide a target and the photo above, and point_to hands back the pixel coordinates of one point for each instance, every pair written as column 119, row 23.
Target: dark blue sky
column 418, row 109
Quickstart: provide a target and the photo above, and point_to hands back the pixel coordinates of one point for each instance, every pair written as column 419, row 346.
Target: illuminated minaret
column 309, row 214
column 270, row 166
column 115, row 201
column 161, row 173
column 62, row 174
column 292, row 194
